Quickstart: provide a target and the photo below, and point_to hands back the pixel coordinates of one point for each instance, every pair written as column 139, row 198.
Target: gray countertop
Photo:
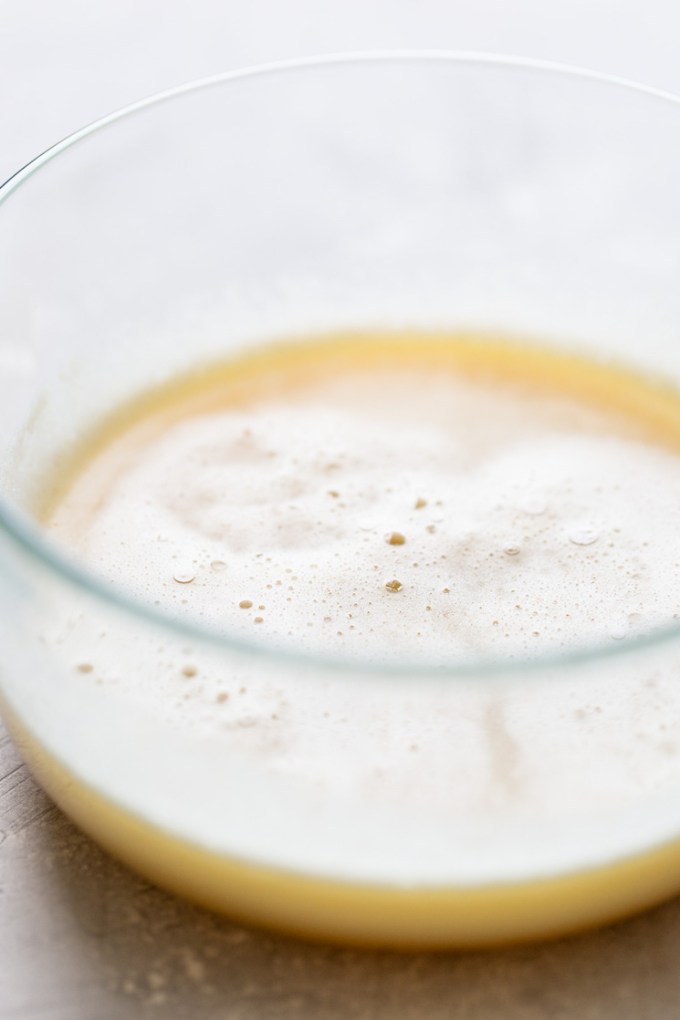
column 83, row 938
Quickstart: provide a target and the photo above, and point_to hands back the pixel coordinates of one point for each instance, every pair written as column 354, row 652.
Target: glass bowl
column 380, row 191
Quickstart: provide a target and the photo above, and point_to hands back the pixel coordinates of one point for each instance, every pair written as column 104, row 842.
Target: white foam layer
column 529, row 524
column 513, row 523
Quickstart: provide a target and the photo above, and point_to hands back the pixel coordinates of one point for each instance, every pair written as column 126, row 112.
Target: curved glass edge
column 327, row 60
column 29, row 539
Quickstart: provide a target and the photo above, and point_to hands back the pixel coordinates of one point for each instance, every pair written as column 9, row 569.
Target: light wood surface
column 82, row 938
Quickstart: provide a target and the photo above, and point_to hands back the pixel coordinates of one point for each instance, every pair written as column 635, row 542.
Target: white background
column 66, row 62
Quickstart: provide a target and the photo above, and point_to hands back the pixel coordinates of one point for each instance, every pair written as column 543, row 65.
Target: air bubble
column 533, row 505
column 184, row 576
column 396, row 538
column 619, row 630
column 583, row 536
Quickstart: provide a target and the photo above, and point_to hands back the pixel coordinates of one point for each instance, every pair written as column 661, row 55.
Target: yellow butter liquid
column 374, row 913
column 348, row 913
